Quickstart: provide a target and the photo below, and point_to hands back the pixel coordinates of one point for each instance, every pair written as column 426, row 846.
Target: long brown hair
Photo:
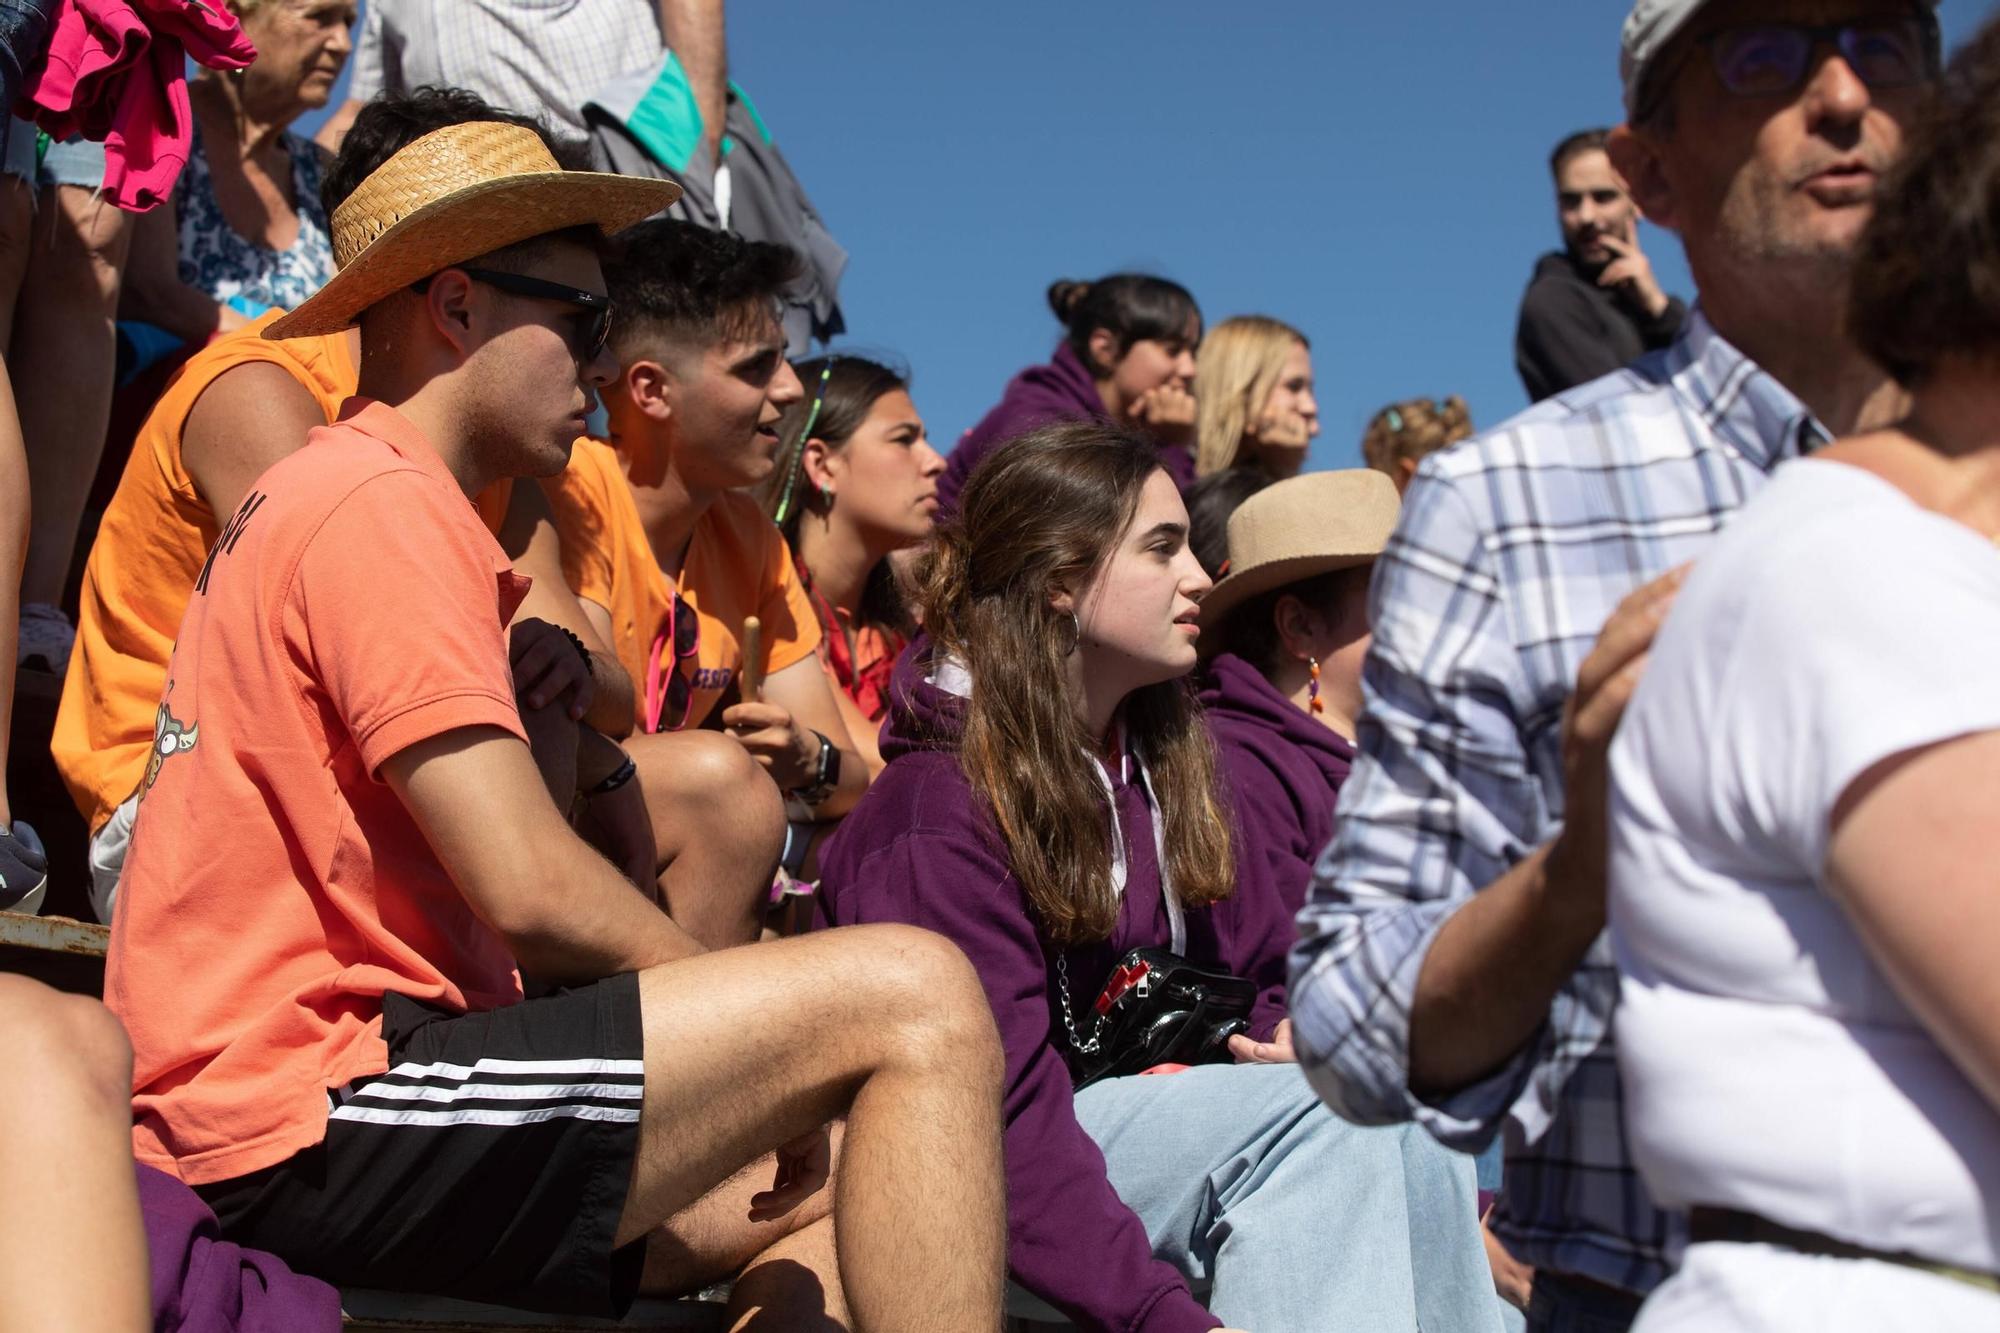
column 843, row 389
column 1049, row 509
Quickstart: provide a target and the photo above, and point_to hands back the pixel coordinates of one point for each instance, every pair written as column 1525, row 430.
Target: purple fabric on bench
column 205, row 1284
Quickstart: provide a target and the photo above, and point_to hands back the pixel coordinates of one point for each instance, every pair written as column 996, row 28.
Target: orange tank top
column 150, row 546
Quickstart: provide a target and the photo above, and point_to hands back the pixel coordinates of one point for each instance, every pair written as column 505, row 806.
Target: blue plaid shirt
column 1512, row 551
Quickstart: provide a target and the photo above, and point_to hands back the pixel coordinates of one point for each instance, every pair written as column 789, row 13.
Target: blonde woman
column 1403, row 434
column 1253, row 389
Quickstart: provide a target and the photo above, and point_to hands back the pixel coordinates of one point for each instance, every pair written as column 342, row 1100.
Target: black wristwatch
column 827, row 776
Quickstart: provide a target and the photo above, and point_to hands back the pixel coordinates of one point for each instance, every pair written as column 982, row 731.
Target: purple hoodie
column 205, row 1284
column 920, row 849
column 1284, row 770
column 1061, row 390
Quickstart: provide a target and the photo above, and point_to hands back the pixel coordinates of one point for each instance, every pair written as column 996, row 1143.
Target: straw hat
column 1297, row 529
column 453, row 195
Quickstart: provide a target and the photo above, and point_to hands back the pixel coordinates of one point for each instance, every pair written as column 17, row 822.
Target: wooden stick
column 752, row 675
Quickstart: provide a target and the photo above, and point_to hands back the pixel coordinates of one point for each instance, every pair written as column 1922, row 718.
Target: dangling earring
column 1314, row 704
column 1075, row 634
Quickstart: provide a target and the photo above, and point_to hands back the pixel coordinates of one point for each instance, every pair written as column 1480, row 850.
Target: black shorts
column 490, row 1163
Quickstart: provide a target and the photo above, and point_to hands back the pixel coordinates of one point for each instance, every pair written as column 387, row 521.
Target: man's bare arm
column 567, row 914
column 249, row 418
column 693, row 30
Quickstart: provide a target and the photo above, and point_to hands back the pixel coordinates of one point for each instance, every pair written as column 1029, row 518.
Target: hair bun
column 1455, row 414
column 1065, row 295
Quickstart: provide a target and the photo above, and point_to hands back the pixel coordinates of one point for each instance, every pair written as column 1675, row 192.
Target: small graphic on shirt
column 171, row 736
column 225, row 541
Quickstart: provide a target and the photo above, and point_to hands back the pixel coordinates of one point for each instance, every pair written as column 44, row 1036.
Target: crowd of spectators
column 589, row 802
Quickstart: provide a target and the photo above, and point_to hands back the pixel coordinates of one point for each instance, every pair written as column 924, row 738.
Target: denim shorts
column 19, row 160
column 72, row 162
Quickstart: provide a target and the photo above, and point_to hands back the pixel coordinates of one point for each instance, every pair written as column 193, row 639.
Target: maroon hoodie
column 1284, row 770
column 921, row 849
column 1061, row 390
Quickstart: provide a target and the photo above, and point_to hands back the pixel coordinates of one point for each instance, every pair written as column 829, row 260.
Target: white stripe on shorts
column 614, row 1068
column 475, row 1115
column 508, row 1092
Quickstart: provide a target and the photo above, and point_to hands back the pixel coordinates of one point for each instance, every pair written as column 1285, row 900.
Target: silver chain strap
column 1076, row 1041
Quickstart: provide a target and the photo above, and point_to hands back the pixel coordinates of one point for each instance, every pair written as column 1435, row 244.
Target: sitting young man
column 344, row 847
column 664, row 521
column 709, row 823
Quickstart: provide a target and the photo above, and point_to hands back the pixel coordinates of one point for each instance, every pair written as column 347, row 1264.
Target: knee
column 69, row 1036
column 710, row 782
column 935, row 1005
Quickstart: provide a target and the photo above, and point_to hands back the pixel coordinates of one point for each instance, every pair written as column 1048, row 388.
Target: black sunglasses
column 592, row 321
column 1769, row 59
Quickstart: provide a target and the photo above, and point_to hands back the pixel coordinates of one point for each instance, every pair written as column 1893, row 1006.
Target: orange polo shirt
column 156, row 532
column 276, row 889
column 737, row 565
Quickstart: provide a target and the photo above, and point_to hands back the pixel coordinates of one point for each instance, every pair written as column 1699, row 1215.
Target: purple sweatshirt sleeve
column 1070, row 1239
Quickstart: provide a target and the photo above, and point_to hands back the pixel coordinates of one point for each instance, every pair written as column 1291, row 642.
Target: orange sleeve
column 584, row 521
column 393, row 687
column 791, row 630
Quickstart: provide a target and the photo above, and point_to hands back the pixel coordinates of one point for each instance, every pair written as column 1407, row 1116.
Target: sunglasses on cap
column 1769, row 59
column 591, row 324
column 670, row 687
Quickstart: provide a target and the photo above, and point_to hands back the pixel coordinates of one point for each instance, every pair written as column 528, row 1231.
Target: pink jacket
column 115, row 71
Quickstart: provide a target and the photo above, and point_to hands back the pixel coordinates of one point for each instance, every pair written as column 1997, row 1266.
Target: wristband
column 577, row 644
column 826, row 776
column 618, row 777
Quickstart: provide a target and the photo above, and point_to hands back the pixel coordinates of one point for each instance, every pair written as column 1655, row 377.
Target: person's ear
column 822, row 466
column 1062, row 600
column 1298, row 627
column 448, row 301
column 1406, row 472
column 1635, row 156
column 651, row 387
column 1104, row 352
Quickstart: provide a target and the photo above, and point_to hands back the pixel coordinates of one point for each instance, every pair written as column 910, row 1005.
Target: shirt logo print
column 225, row 541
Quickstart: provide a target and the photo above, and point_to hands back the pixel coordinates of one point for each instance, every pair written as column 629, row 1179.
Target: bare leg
column 74, row 1256
column 748, row 1049
column 793, row 1287
column 786, row 1274
column 17, row 209
column 719, row 824
column 63, row 355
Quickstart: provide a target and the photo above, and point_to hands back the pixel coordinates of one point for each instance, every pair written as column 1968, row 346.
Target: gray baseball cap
column 1650, row 26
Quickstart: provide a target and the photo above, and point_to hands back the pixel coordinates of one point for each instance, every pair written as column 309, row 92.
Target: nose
column 602, row 368
column 1835, row 94
column 785, row 386
column 928, row 459
column 1184, row 364
column 1309, row 409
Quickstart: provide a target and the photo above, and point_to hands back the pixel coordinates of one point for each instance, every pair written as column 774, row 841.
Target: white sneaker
column 24, row 870
column 46, row 638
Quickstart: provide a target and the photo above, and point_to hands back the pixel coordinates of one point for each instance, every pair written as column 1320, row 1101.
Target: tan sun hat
column 453, row 195
column 1298, row 529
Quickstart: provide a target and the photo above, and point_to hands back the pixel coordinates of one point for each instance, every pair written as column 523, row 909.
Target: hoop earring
column 1075, row 634
column 1314, row 704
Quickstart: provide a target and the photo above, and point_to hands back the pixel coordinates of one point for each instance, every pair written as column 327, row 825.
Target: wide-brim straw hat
column 1299, row 529
column 453, row 195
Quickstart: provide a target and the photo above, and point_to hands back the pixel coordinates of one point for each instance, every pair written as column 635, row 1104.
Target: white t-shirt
column 1768, row 1066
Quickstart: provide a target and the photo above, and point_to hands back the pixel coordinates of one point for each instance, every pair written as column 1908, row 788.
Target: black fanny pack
column 1156, row 1009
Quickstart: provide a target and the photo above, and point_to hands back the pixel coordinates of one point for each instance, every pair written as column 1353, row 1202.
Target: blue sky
column 1373, row 174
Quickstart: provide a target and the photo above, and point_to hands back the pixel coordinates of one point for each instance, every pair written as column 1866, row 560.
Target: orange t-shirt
column 155, row 534
column 276, row 890
column 737, row 565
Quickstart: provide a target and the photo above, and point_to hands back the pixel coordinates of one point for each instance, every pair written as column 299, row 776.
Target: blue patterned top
column 217, row 261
